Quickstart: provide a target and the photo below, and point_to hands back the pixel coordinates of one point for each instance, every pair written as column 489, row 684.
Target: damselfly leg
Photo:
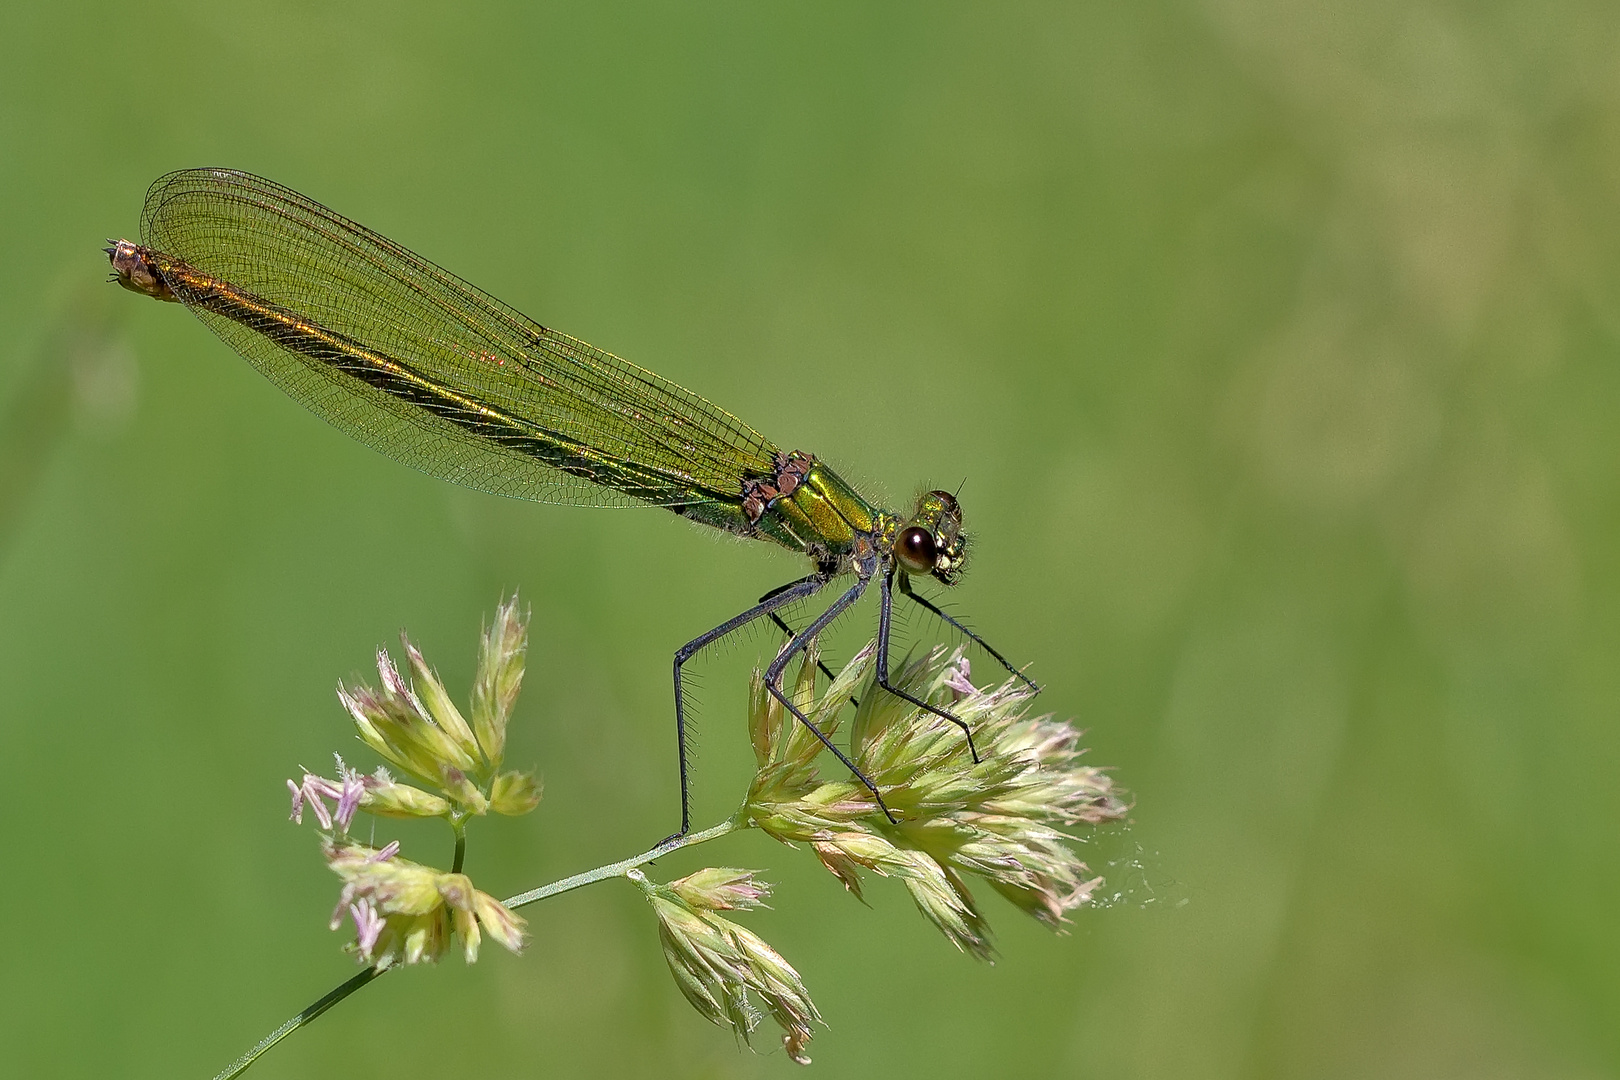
column 773, row 683
column 787, row 594
column 928, row 605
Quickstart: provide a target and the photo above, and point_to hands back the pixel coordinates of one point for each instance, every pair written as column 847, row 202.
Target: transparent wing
column 600, row 431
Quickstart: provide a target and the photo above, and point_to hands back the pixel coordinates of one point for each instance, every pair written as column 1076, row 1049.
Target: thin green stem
column 568, row 884
column 461, row 851
column 619, row 869
column 332, row 997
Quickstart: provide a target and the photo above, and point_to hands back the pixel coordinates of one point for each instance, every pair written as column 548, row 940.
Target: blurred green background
column 1276, row 344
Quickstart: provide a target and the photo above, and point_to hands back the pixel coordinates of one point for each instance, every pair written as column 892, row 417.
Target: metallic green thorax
column 828, row 519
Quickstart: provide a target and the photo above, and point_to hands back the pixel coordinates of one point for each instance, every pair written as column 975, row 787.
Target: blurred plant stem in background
column 82, row 374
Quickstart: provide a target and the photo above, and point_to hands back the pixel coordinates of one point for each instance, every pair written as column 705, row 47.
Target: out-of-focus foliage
column 1277, row 346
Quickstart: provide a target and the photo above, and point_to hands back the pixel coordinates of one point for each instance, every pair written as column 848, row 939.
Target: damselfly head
column 135, row 269
column 932, row 541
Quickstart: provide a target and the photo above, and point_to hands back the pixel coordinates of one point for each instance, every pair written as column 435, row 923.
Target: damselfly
column 439, row 375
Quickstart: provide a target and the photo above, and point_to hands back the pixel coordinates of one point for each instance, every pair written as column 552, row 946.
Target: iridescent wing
column 595, row 430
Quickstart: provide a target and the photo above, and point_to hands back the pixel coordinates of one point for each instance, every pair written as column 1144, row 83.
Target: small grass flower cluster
column 403, row 911
column 999, row 819
column 418, row 729
column 721, row 967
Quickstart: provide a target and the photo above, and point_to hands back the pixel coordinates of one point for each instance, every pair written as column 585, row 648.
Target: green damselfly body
column 417, row 363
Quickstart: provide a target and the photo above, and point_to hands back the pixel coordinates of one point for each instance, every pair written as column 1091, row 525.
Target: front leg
column 885, row 606
column 905, row 588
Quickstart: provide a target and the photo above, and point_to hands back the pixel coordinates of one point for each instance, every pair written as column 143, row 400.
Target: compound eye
column 915, row 549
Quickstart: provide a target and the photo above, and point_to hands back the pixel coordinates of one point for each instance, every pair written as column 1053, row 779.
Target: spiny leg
column 787, row 594
column 905, row 588
column 823, row 668
column 773, row 683
column 781, row 624
column 884, row 614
